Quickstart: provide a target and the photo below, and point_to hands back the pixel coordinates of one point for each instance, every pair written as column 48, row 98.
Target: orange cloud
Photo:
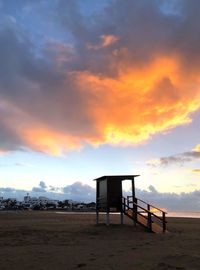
column 106, row 40
column 140, row 101
column 55, row 143
column 127, row 109
column 50, row 142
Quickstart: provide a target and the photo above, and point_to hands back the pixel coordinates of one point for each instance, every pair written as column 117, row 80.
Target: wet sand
column 47, row 240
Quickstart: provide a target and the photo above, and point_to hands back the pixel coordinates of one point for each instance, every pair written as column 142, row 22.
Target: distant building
column 43, row 199
column 27, row 198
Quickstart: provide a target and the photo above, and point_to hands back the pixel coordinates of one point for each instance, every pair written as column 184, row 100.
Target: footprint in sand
column 81, row 265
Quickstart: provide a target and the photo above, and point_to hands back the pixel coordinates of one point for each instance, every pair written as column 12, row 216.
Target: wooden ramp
column 143, row 220
column 146, row 218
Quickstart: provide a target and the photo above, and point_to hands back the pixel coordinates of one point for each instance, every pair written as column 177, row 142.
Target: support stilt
column 122, row 218
column 107, row 219
column 97, row 217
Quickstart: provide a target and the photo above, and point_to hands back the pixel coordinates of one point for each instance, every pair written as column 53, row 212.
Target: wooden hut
column 109, row 194
column 109, row 198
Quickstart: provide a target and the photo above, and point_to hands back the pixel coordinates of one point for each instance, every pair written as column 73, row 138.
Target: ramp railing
column 147, row 215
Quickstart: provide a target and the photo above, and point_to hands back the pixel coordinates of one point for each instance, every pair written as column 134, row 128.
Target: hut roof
column 116, row 177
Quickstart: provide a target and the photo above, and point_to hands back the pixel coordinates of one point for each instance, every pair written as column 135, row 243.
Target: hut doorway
column 126, row 188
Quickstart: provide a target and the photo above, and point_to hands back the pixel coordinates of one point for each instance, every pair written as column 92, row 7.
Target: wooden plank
column 157, row 228
column 142, row 220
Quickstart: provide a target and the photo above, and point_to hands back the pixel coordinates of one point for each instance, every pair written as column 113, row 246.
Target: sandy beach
column 47, row 240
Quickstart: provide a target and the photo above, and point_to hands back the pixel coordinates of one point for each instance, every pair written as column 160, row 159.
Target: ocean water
column 184, row 214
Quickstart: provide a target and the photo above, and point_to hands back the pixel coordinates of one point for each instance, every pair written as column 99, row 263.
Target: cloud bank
column 80, row 192
column 117, row 76
column 77, row 191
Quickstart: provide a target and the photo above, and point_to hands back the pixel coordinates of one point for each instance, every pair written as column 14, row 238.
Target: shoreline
column 170, row 214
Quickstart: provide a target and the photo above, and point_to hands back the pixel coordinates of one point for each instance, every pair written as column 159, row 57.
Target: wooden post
column 122, row 218
column 164, row 222
column 149, row 221
column 97, row 217
column 133, row 188
column 134, row 210
column 149, row 218
column 134, row 200
column 124, row 205
column 97, row 202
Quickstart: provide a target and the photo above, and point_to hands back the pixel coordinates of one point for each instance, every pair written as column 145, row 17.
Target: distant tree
column 66, row 203
column 91, row 205
column 61, row 204
column 10, row 204
column 51, row 205
column 37, row 207
column 13, row 204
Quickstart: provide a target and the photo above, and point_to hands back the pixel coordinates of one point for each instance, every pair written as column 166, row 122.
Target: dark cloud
column 152, row 189
column 178, row 159
column 41, row 188
column 79, row 190
column 189, row 201
column 9, row 140
column 42, row 185
column 141, row 27
column 30, row 87
column 38, row 190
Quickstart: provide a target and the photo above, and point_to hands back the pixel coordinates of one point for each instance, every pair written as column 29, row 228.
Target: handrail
column 147, row 211
column 138, row 206
column 125, row 202
column 146, row 217
column 148, row 204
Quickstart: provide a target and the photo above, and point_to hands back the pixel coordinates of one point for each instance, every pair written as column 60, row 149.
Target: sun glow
column 197, row 148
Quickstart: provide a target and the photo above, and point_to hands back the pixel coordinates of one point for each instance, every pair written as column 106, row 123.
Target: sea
column 184, row 214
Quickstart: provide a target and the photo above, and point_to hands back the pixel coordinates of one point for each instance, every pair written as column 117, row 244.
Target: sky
column 91, row 88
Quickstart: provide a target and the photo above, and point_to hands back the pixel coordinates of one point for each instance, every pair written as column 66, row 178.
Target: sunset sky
column 91, row 88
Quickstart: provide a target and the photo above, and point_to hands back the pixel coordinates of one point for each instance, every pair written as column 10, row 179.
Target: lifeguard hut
column 109, row 199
